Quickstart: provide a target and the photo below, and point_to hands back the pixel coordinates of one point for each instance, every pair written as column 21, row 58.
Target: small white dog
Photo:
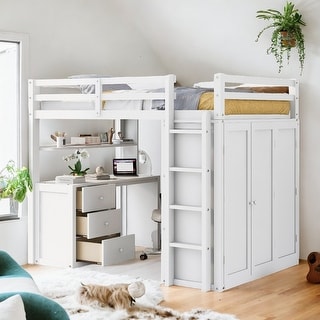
column 116, row 296
column 119, row 296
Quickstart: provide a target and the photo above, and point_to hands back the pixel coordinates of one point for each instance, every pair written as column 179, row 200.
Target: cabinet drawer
column 107, row 251
column 96, row 198
column 99, row 223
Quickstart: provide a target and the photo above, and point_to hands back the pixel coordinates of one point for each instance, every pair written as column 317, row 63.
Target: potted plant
column 14, row 182
column 287, row 32
column 77, row 170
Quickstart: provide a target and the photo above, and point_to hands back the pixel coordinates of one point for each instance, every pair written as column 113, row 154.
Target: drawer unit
column 96, row 198
column 99, row 223
column 98, row 227
column 107, row 251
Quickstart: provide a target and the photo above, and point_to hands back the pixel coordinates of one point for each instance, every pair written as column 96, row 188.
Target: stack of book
column 94, row 176
column 69, row 179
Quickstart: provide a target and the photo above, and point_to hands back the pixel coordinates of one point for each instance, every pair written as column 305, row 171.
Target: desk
column 126, row 180
column 56, row 238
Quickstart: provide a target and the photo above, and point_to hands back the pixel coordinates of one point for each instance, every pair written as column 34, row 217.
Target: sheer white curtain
column 9, row 101
column 9, row 113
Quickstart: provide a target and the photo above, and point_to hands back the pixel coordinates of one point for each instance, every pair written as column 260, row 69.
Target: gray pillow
column 106, row 87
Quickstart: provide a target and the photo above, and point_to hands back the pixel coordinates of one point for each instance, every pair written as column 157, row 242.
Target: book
column 94, row 176
column 85, row 140
column 69, row 179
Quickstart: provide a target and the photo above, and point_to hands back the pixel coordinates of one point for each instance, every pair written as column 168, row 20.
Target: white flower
column 77, row 155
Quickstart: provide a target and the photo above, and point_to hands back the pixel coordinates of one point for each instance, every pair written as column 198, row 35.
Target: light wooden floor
column 285, row 295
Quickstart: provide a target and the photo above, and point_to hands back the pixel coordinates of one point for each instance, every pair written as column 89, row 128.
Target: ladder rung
column 188, row 121
column 186, row 131
column 185, row 169
column 185, row 208
column 186, row 246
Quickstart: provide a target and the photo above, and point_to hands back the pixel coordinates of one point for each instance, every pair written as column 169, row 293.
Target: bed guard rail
column 223, row 81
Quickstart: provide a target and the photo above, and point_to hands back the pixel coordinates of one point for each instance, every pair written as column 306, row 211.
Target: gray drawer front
column 107, row 252
column 99, row 223
column 96, row 198
column 117, row 250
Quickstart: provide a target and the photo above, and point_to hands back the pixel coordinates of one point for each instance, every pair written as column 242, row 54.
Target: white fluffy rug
column 61, row 286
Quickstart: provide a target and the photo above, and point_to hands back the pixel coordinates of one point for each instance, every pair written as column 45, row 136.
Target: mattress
column 188, row 99
column 236, row 106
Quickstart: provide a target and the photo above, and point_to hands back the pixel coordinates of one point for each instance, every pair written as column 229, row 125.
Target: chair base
column 144, row 255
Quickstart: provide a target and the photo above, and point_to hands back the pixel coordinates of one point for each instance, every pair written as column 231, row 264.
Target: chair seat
column 156, row 215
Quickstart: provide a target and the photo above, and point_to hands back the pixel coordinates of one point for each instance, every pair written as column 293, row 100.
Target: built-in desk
column 87, row 221
column 122, row 182
column 125, row 180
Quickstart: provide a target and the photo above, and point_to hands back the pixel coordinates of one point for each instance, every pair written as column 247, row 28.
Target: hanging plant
column 287, row 33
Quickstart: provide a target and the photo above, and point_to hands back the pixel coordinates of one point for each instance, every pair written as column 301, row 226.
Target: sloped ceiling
column 195, row 38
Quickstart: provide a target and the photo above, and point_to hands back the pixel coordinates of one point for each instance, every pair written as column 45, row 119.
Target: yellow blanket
column 246, row 106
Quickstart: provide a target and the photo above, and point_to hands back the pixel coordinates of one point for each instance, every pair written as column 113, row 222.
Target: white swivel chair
column 156, row 217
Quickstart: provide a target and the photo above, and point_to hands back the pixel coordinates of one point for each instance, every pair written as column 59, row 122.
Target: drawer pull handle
column 121, row 250
column 106, row 224
column 101, row 198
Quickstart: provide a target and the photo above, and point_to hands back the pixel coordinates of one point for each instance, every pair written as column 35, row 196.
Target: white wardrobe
column 257, row 201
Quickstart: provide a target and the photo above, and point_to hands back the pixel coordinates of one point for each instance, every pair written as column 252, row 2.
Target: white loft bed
column 224, row 242
column 100, row 96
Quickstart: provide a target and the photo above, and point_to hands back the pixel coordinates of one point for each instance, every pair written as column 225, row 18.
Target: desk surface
column 117, row 180
column 126, row 180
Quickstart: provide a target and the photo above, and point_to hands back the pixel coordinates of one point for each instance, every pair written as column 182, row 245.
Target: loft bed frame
column 194, row 233
column 95, row 99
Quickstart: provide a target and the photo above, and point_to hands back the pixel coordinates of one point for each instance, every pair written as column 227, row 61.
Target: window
column 13, row 110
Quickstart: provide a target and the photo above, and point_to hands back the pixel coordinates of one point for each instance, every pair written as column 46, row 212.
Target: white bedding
column 122, row 105
column 66, row 105
column 185, row 99
column 106, row 104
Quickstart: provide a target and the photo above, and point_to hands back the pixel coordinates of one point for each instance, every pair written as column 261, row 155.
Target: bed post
column 167, row 192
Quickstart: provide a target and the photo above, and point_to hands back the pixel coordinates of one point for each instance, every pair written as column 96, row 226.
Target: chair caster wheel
column 143, row 256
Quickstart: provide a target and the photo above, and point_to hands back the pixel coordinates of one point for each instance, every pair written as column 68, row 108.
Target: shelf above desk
column 86, row 146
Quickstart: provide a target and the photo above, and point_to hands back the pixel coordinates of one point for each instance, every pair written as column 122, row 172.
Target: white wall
column 77, row 37
column 191, row 38
column 72, row 37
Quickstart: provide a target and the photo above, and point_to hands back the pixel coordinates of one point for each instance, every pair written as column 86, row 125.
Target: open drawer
column 94, row 198
column 106, row 251
column 99, row 224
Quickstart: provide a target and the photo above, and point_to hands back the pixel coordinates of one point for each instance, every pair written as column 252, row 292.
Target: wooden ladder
column 187, row 226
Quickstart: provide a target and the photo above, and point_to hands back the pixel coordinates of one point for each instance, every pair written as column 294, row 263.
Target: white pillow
column 18, row 284
column 12, row 308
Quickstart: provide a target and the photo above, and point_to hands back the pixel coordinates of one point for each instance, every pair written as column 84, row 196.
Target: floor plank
column 283, row 295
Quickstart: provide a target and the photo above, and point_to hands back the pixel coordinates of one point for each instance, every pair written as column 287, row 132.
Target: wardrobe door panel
column 236, row 232
column 262, row 190
column 285, row 184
